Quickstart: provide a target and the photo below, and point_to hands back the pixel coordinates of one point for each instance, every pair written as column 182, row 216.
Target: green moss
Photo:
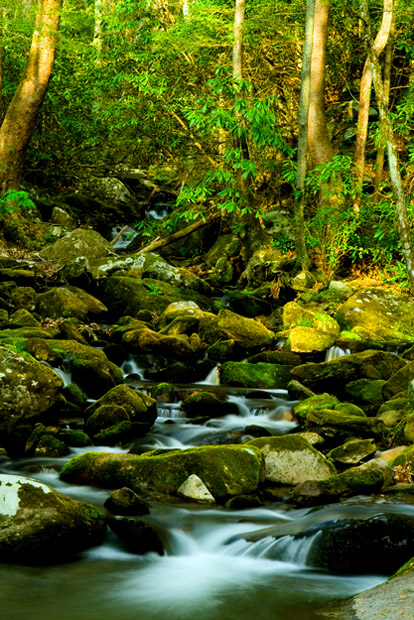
column 260, row 375
column 313, row 403
column 225, row 470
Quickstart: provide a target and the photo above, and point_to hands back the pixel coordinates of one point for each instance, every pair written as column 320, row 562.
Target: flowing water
column 208, row 571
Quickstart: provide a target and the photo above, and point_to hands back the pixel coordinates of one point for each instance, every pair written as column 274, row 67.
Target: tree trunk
column 20, row 119
column 395, row 174
column 365, row 97
column 319, row 142
column 302, row 258
column 379, row 165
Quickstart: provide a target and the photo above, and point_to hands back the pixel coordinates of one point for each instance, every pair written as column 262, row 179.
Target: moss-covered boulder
column 365, row 479
column 125, row 502
column 138, row 536
column 386, row 313
column 308, row 330
column 376, row 545
column 81, row 242
column 39, row 525
column 225, row 470
column 69, row 301
column 353, row 452
column 260, row 375
column 313, row 403
column 103, row 417
column 128, row 295
column 332, row 424
column 334, row 375
column 405, row 457
column 284, row 358
column 90, row 367
column 303, row 339
column 29, row 392
column 139, row 406
column 399, row 381
column 207, row 404
column 171, row 346
column 292, row 460
column 367, row 391
column 228, row 325
column 23, row 318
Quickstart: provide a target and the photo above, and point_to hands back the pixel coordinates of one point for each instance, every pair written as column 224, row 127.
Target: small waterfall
column 64, row 374
column 131, row 367
column 287, row 549
column 213, row 377
column 334, row 352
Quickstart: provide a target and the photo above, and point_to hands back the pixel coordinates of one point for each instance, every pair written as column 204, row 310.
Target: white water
column 334, row 352
column 209, row 571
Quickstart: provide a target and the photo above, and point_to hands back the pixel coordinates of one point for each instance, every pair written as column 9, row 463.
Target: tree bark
column 302, row 258
column 319, row 142
column 392, row 152
column 379, row 165
column 20, row 118
column 365, row 97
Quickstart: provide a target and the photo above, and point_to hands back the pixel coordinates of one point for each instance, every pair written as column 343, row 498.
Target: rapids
column 208, row 571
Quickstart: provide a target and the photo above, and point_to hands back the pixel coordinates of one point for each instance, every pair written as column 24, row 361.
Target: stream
column 208, row 571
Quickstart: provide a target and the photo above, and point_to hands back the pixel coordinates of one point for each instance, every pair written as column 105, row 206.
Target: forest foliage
column 148, row 84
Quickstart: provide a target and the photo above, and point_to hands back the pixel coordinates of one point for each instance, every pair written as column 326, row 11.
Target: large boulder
column 69, row 301
column 291, row 460
column 384, row 313
column 29, row 392
column 128, row 295
column 260, row 375
column 228, row 325
column 90, row 367
column 225, row 470
column 38, row 524
column 81, row 242
column 138, row 406
column 308, row 330
column 337, row 373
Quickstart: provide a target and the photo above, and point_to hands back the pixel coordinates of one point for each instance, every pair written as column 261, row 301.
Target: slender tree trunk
column 240, row 141
column 319, row 142
column 379, row 166
column 392, row 151
column 301, row 253
column 365, row 96
column 20, row 119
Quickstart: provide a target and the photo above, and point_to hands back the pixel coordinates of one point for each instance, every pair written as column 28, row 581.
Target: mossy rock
column 260, row 375
column 285, row 358
column 103, row 417
column 350, row 409
column 308, row 339
column 225, row 470
column 121, row 434
column 365, row 479
column 399, row 381
column 81, row 242
column 353, row 452
column 341, row 371
column 367, row 390
column 74, row 438
column 403, row 458
column 90, row 367
column 127, row 295
column 23, row 318
column 176, row 347
column 297, row 315
column 340, row 426
column 226, row 351
column 51, row 447
column 313, row 403
column 28, row 390
column 386, row 313
column 292, row 460
column 137, row 536
column 228, row 325
column 39, row 525
column 207, row 404
column 139, row 406
column 68, row 301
